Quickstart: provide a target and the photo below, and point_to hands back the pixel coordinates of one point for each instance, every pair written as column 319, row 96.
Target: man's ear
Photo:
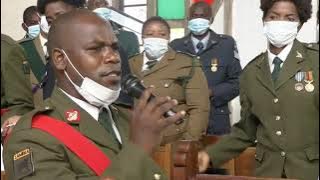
column 24, row 27
column 58, row 58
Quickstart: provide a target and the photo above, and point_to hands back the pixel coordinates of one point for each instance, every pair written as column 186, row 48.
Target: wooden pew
column 223, row 177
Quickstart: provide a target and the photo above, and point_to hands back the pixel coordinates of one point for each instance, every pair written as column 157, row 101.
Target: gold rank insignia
column 214, row 65
column 23, row 164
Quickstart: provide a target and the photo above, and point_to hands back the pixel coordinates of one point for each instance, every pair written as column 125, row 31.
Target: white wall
column 11, row 17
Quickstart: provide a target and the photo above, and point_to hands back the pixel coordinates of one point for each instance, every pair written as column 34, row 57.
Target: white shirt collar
column 94, row 112
column 195, row 41
column 145, row 60
column 283, row 55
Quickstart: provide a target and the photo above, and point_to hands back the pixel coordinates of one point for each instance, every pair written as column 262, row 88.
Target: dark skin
column 94, row 4
column 54, row 9
column 282, row 11
column 92, row 48
column 200, row 12
column 156, row 30
column 34, row 20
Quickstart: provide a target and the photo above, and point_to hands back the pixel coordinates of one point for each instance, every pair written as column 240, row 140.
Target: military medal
column 299, row 77
column 309, row 80
column 214, row 65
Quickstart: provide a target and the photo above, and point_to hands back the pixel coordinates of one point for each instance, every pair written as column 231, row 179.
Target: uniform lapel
column 263, row 73
column 87, row 125
column 213, row 40
column 137, row 63
column 37, row 44
column 292, row 64
column 162, row 63
column 188, row 45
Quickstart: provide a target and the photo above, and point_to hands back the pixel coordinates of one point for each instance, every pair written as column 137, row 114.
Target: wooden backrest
column 3, row 175
column 222, row 177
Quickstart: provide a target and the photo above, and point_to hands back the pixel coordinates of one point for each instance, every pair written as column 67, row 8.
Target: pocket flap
column 312, row 152
column 259, row 154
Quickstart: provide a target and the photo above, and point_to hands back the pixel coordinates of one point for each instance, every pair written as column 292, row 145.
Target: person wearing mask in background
column 279, row 94
column 128, row 42
column 79, row 133
column 220, row 63
column 173, row 74
column 34, row 44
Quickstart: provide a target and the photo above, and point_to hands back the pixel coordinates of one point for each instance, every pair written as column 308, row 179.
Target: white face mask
column 92, row 91
column 155, row 47
column 44, row 25
column 280, row 33
column 104, row 13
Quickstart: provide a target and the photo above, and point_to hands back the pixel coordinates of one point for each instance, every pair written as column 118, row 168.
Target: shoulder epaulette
column 188, row 54
column 253, row 60
column 25, row 40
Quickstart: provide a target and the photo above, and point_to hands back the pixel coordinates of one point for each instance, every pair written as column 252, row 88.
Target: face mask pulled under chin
column 92, row 91
column 280, row 33
column 155, row 47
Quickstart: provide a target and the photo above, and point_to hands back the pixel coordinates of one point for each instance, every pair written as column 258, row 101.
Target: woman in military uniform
column 173, row 74
column 279, row 93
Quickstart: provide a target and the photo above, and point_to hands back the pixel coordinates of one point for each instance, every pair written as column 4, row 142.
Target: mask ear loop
column 72, row 64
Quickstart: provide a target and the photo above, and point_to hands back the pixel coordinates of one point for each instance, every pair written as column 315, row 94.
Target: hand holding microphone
column 133, row 87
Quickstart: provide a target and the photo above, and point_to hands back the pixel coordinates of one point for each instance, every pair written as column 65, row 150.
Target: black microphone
column 133, row 87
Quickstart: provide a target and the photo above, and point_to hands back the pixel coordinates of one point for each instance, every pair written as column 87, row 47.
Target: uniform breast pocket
column 171, row 87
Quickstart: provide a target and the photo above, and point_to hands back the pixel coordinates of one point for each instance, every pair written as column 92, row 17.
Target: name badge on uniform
column 299, row 77
column 214, row 65
column 309, row 80
column 23, row 164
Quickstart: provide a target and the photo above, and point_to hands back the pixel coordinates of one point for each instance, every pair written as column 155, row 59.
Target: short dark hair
column 155, row 19
column 201, row 4
column 29, row 12
column 41, row 4
column 304, row 8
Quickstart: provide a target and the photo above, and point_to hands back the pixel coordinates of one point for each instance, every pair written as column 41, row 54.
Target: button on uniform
column 275, row 100
column 283, row 154
column 166, row 85
column 198, row 57
column 279, row 133
column 157, row 176
column 278, row 118
column 47, row 108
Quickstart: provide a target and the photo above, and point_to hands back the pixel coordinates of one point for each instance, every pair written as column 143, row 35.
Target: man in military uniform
column 34, row 45
column 220, row 63
column 279, row 92
column 173, row 74
column 17, row 97
column 84, row 53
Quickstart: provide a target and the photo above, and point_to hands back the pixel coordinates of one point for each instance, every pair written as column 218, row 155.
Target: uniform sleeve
column 243, row 135
column 197, row 99
column 16, row 82
column 51, row 160
column 228, row 89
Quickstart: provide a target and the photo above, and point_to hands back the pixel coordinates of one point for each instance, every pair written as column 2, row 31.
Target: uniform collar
column 283, row 55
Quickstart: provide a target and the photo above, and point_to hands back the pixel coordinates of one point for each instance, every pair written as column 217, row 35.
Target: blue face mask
column 198, row 26
column 155, row 47
column 104, row 13
column 34, row 31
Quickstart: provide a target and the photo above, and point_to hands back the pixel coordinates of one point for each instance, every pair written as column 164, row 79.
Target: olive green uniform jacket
column 15, row 79
column 167, row 76
column 53, row 160
column 283, row 121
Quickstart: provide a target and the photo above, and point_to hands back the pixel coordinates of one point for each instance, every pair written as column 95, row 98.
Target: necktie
column 276, row 71
column 151, row 63
column 105, row 121
column 200, row 47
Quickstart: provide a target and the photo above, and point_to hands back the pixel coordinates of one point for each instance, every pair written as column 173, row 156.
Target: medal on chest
column 214, row 65
column 299, row 77
column 309, row 80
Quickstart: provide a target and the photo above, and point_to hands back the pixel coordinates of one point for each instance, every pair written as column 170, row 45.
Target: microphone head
column 132, row 86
